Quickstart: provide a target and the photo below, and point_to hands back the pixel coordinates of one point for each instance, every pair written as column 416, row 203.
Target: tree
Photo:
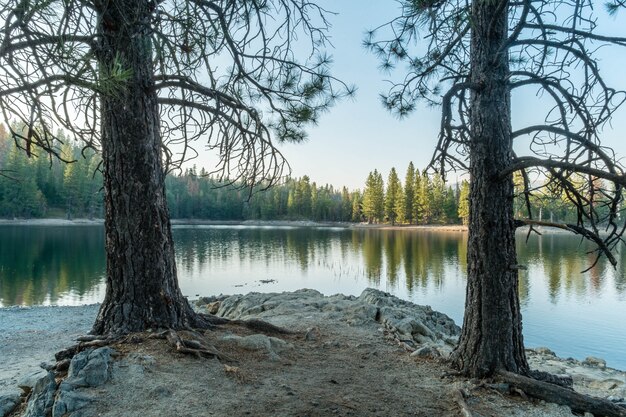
column 409, row 192
column 472, row 56
column 142, row 81
column 424, row 198
column 374, row 197
column 394, row 200
column 463, row 209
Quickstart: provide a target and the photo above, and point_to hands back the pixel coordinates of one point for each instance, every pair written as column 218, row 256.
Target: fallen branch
column 579, row 403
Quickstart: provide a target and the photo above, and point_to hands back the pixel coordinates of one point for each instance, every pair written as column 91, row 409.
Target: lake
column 572, row 313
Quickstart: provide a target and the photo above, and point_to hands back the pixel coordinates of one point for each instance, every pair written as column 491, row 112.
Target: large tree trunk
column 142, row 289
column 491, row 338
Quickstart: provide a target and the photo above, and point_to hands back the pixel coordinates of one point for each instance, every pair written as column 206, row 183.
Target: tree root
column 188, row 346
column 252, row 324
column 579, row 403
column 191, row 346
column 92, row 341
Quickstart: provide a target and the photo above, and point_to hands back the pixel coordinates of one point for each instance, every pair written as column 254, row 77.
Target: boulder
column 42, row 397
column 259, row 342
column 596, row 362
column 90, row 368
column 28, row 381
column 8, row 403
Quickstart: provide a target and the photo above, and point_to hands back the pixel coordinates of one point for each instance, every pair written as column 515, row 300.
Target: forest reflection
column 52, row 265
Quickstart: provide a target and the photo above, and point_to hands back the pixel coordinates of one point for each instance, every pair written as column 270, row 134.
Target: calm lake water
column 572, row 313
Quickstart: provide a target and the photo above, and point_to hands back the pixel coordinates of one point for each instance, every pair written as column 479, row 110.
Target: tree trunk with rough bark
column 141, row 285
column 491, row 338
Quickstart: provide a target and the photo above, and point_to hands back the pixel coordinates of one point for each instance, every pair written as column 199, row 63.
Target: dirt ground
column 344, row 371
column 343, row 359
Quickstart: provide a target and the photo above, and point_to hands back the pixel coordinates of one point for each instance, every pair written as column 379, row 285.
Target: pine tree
column 464, row 205
column 425, row 199
column 393, row 195
column 409, row 193
column 373, row 197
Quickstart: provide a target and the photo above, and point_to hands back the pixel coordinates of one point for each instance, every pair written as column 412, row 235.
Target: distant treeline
column 40, row 186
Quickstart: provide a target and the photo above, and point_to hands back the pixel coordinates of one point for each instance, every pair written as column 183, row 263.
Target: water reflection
column 42, row 265
column 51, row 265
column 65, row 265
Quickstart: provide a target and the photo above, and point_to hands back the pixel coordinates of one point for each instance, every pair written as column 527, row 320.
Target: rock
column 615, row 399
column 213, row 308
column 42, row 397
column 606, row 384
column 259, row 342
column 8, row 403
column 203, row 301
column 426, row 352
column 69, row 401
column 63, row 365
column 544, row 351
column 312, row 334
column 593, row 361
column 28, row 381
column 90, row 368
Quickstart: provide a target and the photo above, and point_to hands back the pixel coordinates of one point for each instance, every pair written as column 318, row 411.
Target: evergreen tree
column 373, row 197
column 425, row 199
column 409, row 193
column 393, row 197
column 450, row 208
column 463, row 210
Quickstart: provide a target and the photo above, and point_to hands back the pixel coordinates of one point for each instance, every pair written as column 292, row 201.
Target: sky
column 358, row 135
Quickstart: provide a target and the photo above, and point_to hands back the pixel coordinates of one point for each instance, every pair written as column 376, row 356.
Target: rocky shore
column 368, row 355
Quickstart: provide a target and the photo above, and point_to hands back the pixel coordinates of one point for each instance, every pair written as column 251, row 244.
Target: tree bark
column 141, row 284
column 491, row 338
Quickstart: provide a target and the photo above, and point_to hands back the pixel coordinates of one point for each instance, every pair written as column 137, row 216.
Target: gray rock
column 259, row 342
column 313, row 334
column 42, row 397
column 90, row 368
column 544, row 351
column 606, row 384
column 593, row 361
column 68, row 402
column 8, row 402
column 426, row 352
column 28, row 381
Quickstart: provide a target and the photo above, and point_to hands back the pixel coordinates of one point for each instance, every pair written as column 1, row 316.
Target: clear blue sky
column 359, row 135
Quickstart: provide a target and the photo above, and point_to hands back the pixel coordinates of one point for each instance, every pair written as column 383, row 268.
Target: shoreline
column 454, row 228
column 249, row 223
column 378, row 325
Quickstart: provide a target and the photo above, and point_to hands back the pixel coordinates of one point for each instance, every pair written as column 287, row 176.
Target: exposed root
column 92, row 342
column 252, row 324
column 191, row 346
column 565, row 381
column 579, row 403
